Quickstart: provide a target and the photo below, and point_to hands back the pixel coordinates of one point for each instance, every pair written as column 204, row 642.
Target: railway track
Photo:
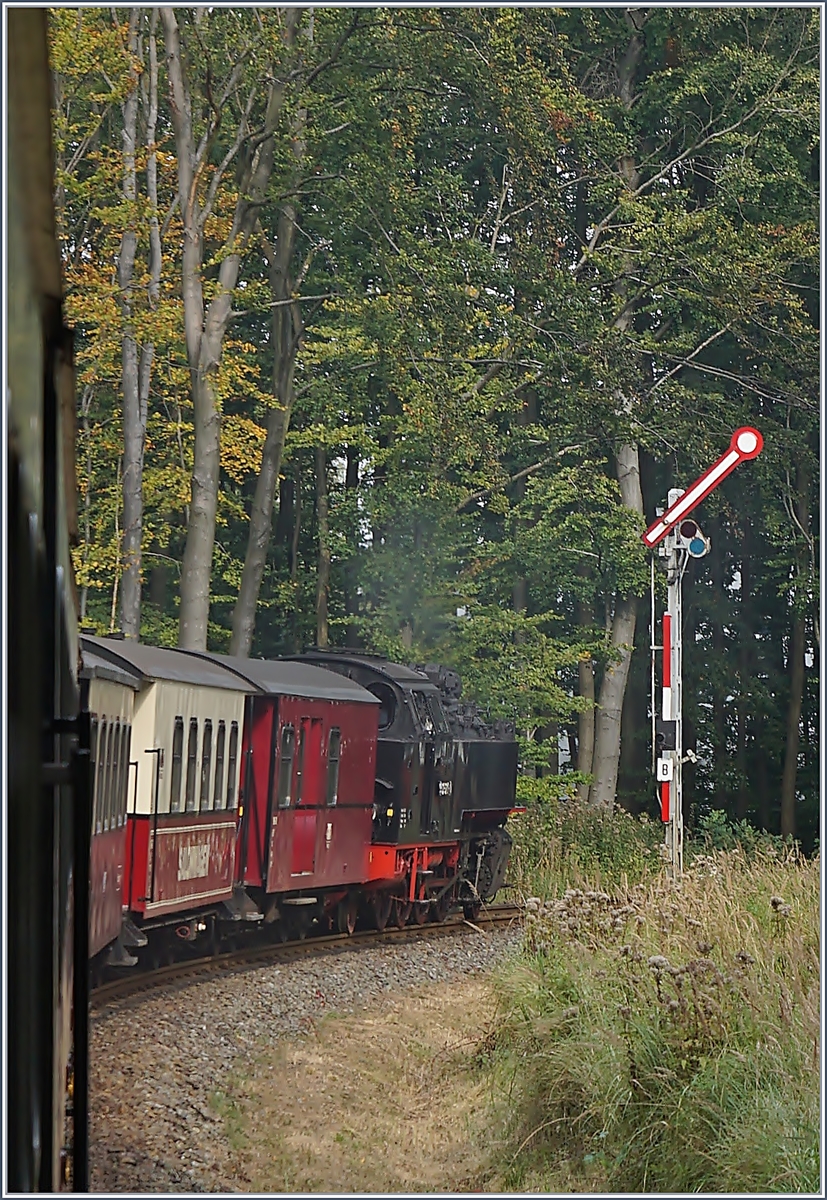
column 134, row 982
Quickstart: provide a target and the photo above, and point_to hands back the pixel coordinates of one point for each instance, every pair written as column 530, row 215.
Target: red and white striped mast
column 677, row 540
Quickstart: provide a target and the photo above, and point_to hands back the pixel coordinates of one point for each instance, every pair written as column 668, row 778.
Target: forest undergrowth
column 658, row 1038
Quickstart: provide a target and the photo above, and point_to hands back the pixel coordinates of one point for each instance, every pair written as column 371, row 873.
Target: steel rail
column 195, row 970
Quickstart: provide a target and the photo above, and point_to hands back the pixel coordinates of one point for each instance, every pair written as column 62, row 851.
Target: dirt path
column 389, row 1100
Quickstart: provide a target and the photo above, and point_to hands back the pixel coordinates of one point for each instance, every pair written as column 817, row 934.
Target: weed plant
column 560, row 842
column 660, row 1038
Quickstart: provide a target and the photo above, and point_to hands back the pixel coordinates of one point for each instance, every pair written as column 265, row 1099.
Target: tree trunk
column 351, row 593
column 585, row 720
column 796, row 667
column 606, row 758
column 116, row 581
column 610, row 705
column 762, row 778
column 137, row 370
column 323, row 578
column 745, row 658
column 205, row 330
column 133, row 433
column 719, row 716
column 634, row 770
column 612, row 689
column 798, row 647
column 85, row 405
column 287, row 330
column 294, row 554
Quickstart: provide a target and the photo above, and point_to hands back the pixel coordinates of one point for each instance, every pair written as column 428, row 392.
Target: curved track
column 133, row 982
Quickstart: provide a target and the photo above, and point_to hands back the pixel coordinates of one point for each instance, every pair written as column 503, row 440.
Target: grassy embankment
column 659, row 1039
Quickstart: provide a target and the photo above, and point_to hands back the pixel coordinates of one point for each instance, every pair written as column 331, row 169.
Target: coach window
column 218, row 790
column 192, row 763
column 206, row 764
column 115, row 791
column 177, row 764
column 300, row 766
column 288, row 742
column 123, row 774
column 437, row 713
column 111, row 771
column 333, row 752
column 387, row 701
column 93, row 754
column 232, row 764
column 117, row 775
column 98, row 748
column 421, row 705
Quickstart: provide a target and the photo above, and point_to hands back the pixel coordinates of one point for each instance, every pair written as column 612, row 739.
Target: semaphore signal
column 746, row 443
column 682, row 539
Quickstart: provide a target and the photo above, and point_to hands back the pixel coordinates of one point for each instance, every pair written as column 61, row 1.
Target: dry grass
column 657, row 1039
column 390, row 1100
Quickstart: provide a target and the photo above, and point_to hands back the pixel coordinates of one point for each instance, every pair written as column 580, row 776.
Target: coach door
column 309, row 796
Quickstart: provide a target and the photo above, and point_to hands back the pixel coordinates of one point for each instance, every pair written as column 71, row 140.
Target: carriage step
column 240, row 907
column 118, row 956
column 131, row 935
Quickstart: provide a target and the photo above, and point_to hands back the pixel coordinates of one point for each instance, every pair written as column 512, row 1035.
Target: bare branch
column 685, row 361
column 337, row 49
column 498, row 487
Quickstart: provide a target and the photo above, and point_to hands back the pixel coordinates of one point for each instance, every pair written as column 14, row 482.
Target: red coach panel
column 106, row 899
column 194, row 862
column 312, row 747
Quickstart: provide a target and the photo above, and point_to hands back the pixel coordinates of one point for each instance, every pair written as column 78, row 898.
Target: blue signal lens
column 697, row 547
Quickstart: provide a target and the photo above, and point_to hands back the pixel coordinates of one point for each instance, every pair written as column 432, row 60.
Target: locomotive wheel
column 441, row 907
column 472, row 909
column 401, row 912
column 346, row 915
column 382, row 905
column 420, row 912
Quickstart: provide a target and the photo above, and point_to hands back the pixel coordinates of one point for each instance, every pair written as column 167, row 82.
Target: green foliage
column 560, row 841
column 715, row 831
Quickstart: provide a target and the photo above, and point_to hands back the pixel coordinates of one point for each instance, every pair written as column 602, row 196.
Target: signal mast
column 678, row 539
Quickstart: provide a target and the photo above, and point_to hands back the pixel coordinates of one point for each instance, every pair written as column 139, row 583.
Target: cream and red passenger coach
column 181, row 837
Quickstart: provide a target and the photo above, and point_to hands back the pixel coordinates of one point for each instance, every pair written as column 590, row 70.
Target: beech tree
column 253, row 65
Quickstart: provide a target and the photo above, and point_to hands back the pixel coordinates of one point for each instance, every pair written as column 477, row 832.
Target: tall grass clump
column 654, row 1038
column 560, row 842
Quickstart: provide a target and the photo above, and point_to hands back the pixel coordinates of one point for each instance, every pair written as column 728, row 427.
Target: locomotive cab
column 413, row 795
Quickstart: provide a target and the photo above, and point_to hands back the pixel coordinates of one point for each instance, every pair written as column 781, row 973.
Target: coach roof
column 95, row 666
column 280, row 678
column 176, row 666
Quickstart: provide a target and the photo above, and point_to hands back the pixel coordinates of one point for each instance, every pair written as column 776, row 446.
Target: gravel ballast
column 159, row 1061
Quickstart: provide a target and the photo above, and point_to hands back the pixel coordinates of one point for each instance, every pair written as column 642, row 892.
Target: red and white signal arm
column 746, row 443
